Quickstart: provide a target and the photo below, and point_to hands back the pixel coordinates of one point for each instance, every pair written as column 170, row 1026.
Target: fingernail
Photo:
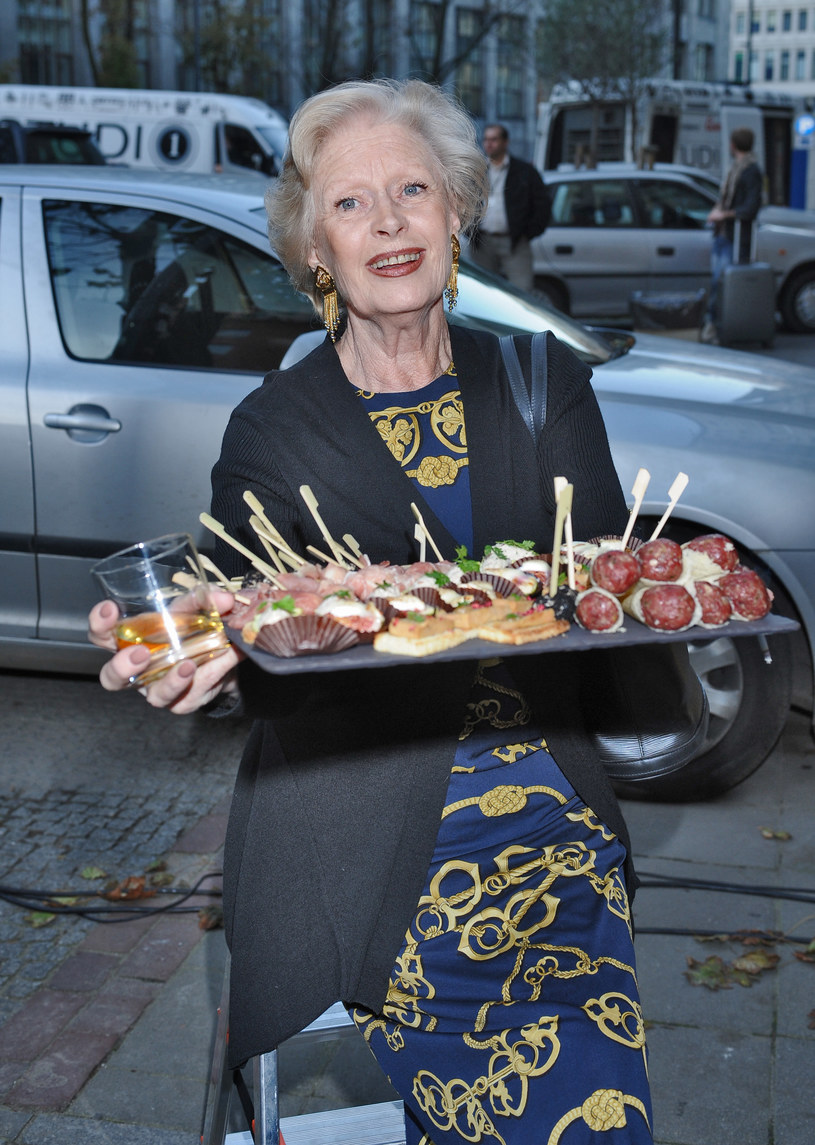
column 186, row 669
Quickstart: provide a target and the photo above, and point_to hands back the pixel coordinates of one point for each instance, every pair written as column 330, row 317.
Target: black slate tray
column 575, row 640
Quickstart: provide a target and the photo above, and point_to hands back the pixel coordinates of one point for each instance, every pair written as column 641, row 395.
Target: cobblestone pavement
column 93, row 780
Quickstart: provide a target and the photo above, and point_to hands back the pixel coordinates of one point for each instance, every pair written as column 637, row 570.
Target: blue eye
column 413, row 189
column 347, row 204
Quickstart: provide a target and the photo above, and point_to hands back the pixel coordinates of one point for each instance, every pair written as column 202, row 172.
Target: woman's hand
column 185, row 687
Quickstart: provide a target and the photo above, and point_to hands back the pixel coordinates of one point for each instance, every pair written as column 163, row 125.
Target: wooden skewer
column 187, row 580
column 352, row 544
column 560, row 483
column 421, row 537
column 274, row 535
column 426, row 531
column 211, row 566
column 217, row 528
column 564, row 507
column 312, row 506
column 325, row 558
column 674, row 493
column 638, row 492
column 264, row 538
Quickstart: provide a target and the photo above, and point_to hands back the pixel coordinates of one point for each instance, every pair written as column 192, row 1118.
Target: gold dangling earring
column 331, row 311
column 451, row 289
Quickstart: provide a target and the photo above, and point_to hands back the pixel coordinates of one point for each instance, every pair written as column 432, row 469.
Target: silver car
column 138, row 309
column 619, row 230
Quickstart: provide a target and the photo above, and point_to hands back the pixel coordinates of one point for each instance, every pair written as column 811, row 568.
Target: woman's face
column 383, row 219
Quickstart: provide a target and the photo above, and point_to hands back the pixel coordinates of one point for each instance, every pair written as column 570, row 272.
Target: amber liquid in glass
column 195, row 636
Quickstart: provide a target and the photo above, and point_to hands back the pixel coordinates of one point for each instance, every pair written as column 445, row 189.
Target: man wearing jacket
column 517, row 211
column 739, row 199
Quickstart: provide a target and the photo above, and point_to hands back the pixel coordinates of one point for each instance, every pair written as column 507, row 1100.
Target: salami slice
column 747, row 592
column 661, row 560
column 615, row 570
column 714, row 602
column 664, row 607
column 598, row 611
column 710, row 555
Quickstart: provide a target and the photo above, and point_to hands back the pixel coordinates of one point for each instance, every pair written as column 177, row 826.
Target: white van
column 163, row 130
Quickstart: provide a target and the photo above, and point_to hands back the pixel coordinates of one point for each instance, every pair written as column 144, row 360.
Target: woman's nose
column 389, row 218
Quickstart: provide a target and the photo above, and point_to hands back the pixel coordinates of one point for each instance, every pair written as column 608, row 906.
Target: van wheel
column 798, row 302
column 553, row 293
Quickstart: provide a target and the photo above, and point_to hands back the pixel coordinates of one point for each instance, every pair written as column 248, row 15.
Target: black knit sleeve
column 247, row 462
column 574, row 444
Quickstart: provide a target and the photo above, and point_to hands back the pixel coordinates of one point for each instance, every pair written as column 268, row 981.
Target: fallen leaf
column 161, row 878
column 210, row 918
column 807, row 954
column 38, row 918
column 157, row 865
column 712, row 973
column 93, row 873
column 133, row 887
column 769, row 833
column 64, row 900
column 758, row 960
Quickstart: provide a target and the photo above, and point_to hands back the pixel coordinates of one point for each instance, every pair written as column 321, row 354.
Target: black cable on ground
column 124, row 910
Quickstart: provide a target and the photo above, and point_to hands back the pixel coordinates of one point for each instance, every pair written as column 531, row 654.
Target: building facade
column 773, row 45
column 281, row 50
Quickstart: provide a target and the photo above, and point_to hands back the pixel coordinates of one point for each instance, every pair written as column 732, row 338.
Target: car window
column 134, row 285
column 673, row 205
column 592, row 203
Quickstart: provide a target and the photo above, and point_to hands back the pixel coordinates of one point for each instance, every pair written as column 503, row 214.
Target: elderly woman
column 437, row 845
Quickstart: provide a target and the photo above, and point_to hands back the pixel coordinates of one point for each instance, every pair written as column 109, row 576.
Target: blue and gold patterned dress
column 512, row 1015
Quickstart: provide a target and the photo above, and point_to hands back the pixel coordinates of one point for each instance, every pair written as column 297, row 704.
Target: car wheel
column 749, row 701
column 555, row 294
column 749, row 704
column 798, row 302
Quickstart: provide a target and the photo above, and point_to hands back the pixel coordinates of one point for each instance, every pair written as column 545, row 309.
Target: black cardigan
column 341, row 787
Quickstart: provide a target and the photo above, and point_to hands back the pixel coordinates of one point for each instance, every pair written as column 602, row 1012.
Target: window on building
column 784, row 70
column 769, row 65
column 45, row 45
column 802, row 19
column 786, row 21
column 424, row 33
column 741, row 23
column 755, row 23
column 510, row 72
column 800, row 64
column 470, row 72
column 706, row 9
column 769, row 24
column 703, row 63
column 753, row 66
column 738, row 67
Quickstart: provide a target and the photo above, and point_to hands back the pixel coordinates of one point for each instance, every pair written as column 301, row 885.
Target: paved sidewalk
column 107, row 1029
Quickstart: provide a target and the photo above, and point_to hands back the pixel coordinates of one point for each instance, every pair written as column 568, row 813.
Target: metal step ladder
column 379, row 1124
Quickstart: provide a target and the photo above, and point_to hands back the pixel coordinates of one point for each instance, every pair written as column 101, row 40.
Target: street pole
column 749, row 42
column 196, row 32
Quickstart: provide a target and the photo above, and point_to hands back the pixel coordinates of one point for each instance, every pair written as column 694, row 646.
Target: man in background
column 517, row 211
column 739, row 198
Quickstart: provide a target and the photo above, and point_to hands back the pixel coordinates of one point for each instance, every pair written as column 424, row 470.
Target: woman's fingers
column 187, row 687
column 101, row 624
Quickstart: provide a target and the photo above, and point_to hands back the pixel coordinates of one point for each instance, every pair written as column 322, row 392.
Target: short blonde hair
column 433, row 115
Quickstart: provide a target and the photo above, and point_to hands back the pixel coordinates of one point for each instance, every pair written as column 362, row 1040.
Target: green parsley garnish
column 463, row 562
column 528, row 545
column 287, row 604
column 439, row 577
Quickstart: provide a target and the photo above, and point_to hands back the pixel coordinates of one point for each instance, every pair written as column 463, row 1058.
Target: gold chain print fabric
column 400, row 427
column 513, row 1014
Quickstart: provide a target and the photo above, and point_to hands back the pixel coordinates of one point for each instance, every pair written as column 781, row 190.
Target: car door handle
column 85, row 423
column 564, row 249
column 666, row 250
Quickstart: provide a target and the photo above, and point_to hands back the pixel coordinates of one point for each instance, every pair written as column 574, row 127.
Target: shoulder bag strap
column 531, row 406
